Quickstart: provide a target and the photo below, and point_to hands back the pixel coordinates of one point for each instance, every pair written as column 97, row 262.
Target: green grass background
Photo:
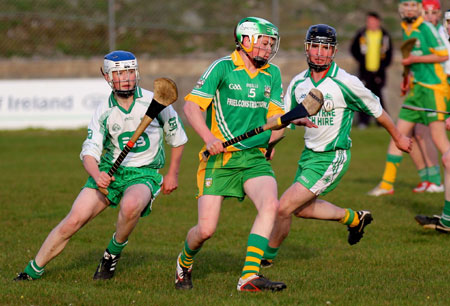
column 396, row 263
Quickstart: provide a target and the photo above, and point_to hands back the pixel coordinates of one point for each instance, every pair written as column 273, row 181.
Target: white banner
column 50, row 103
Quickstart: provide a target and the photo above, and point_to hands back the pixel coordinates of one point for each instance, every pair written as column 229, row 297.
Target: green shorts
column 321, row 172
column 424, row 97
column 225, row 174
column 126, row 177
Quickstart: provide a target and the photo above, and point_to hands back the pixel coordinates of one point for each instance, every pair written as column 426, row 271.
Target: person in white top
column 136, row 182
column 326, row 155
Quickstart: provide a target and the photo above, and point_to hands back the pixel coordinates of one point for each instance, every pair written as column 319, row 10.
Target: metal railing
column 50, row 28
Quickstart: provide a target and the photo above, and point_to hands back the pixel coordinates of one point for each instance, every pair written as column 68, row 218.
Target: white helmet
column 446, row 22
column 120, row 61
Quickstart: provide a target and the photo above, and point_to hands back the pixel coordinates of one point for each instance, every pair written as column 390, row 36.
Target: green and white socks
column 114, row 247
column 34, row 270
column 445, row 218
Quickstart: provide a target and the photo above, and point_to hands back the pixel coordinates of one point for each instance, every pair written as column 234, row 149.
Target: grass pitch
column 396, row 263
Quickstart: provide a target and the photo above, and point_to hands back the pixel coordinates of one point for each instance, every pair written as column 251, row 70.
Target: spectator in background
column 372, row 48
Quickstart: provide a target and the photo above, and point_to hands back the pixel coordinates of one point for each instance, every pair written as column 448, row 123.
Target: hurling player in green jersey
column 238, row 93
column 136, row 183
column 427, row 89
column 441, row 222
column 425, row 155
column 326, row 156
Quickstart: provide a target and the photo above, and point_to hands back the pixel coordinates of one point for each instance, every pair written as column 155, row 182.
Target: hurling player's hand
column 305, row 122
column 404, row 143
column 170, row 183
column 214, row 146
column 103, row 180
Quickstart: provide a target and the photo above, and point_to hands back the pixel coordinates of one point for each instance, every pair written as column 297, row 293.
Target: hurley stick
column 165, row 93
column 309, row 107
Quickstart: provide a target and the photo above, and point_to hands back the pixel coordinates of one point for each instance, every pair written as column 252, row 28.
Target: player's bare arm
column 170, row 182
column 304, row 122
column 402, row 142
column 429, row 58
column 195, row 118
column 276, row 134
column 101, row 178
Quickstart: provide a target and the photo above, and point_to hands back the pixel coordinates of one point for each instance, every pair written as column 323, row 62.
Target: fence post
column 111, row 25
column 275, row 13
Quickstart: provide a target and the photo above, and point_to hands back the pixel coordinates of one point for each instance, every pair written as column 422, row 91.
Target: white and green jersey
column 112, row 126
column 343, row 94
column 444, row 36
column 237, row 101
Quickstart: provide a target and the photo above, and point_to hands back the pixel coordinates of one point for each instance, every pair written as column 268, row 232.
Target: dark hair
column 373, row 14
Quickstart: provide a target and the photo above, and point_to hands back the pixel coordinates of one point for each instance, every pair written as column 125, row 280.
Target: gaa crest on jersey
column 328, row 103
column 208, row 182
column 116, row 127
column 267, row 89
column 200, row 83
column 172, row 124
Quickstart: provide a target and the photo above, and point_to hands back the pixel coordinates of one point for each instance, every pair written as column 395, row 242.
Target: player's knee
column 283, row 212
column 270, row 207
column 446, row 160
column 130, row 208
column 205, row 232
column 70, row 226
column 418, row 137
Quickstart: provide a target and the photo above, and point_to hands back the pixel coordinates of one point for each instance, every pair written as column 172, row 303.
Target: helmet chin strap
column 318, row 68
column 122, row 93
column 125, row 93
column 409, row 19
column 257, row 61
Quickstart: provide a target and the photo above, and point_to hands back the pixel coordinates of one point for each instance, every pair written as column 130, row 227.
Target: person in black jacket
column 372, row 48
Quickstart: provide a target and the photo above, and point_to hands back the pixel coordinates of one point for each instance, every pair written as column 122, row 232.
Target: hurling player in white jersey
column 326, row 156
column 136, row 182
column 441, row 223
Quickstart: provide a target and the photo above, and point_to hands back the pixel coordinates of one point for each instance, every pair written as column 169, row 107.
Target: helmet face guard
column 410, row 10
column 324, row 38
column 256, row 28
column 446, row 22
column 122, row 62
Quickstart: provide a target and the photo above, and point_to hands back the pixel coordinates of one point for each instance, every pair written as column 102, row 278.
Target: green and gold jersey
column 236, row 100
column 430, row 75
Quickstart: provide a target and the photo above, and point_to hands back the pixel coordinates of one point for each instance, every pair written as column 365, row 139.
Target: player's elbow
column 190, row 107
